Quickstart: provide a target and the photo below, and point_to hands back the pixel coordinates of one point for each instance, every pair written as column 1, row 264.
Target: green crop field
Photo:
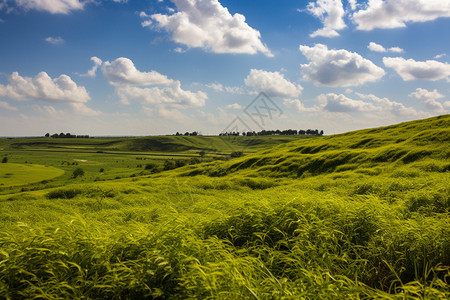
column 360, row 215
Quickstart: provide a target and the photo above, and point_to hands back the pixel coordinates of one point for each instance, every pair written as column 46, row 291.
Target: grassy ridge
column 367, row 217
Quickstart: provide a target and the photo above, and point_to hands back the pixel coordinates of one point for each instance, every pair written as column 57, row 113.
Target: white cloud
column 234, row 106
column 216, row 86
column 396, row 13
column 299, row 106
column 387, row 105
column 148, row 87
column 173, row 95
column 338, row 67
column 440, row 55
column 73, row 108
column 5, row 105
column 179, row 50
column 379, row 48
column 331, row 14
column 272, row 83
column 411, row 69
column 55, row 40
column 146, row 23
column 43, row 87
column 428, row 98
column 52, row 6
column 376, row 47
column 396, row 49
column 82, row 109
column 208, row 25
column 339, row 103
column 171, row 113
column 97, row 63
column 122, row 71
column 353, row 4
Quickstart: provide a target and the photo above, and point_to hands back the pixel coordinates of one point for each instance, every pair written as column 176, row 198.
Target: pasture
column 361, row 215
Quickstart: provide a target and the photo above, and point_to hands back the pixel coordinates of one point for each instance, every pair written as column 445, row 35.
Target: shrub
column 64, row 193
column 4, row 160
column 78, row 172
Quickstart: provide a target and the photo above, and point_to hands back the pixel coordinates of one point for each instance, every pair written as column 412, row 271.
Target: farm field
column 360, row 215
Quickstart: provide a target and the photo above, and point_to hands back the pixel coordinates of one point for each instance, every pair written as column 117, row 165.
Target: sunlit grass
column 363, row 215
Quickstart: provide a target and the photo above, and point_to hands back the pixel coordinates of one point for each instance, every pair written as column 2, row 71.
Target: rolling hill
column 361, row 215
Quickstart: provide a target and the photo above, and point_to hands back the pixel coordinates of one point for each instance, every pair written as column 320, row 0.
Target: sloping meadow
column 361, row 215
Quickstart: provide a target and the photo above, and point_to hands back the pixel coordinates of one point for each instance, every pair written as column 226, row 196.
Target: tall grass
column 373, row 223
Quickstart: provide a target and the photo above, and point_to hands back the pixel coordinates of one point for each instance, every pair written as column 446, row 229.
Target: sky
column 151, row 67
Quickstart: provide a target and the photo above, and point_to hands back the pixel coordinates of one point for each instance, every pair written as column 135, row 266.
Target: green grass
column 18, row 174
column 362, row 215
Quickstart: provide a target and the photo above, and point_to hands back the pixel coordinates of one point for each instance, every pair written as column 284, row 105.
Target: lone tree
column 4, row 160
column 78, row 172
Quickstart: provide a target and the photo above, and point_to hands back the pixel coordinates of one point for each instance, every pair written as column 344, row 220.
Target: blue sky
column 152, row 67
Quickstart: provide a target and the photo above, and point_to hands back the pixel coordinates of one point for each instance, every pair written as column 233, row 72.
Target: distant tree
column 321, row 133
column 4, row 160
column 102, row 170
column 201, row 153
column 78, row 172
column 47, row 134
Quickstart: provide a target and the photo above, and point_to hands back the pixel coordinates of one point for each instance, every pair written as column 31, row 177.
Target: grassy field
column 361, row 215
column 19, row 174
column 113, row 158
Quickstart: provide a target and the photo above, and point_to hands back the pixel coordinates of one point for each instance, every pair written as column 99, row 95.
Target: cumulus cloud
column 97, row 63
column 272, row 83
column 396, row 13
column 411, row 69
column 234, row 106
column 440, row 56
column 55, row 40
column 5, row 105
column 299, row 106
column 173, row 95
column 148, row 87
column 122, row 71
column 387, row 105
column 53, row 6
column 208, row 25
column 331, row 14
column 218, row 87
column 339, row 103
column 338, row 67
column 428, row 98
column 353, row 4
column 43, row 87
column 379, row 48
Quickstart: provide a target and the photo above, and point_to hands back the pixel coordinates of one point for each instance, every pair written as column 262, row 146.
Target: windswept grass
column 363, row 215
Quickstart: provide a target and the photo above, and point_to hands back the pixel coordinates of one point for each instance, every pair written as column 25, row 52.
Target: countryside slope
column 361, row 215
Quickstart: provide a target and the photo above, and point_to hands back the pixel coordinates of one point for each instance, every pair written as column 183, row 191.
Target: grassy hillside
column 362, row 215
column 112, row 158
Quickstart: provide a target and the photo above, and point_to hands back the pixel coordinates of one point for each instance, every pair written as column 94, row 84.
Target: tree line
column 313, row 132
column 66, row 136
